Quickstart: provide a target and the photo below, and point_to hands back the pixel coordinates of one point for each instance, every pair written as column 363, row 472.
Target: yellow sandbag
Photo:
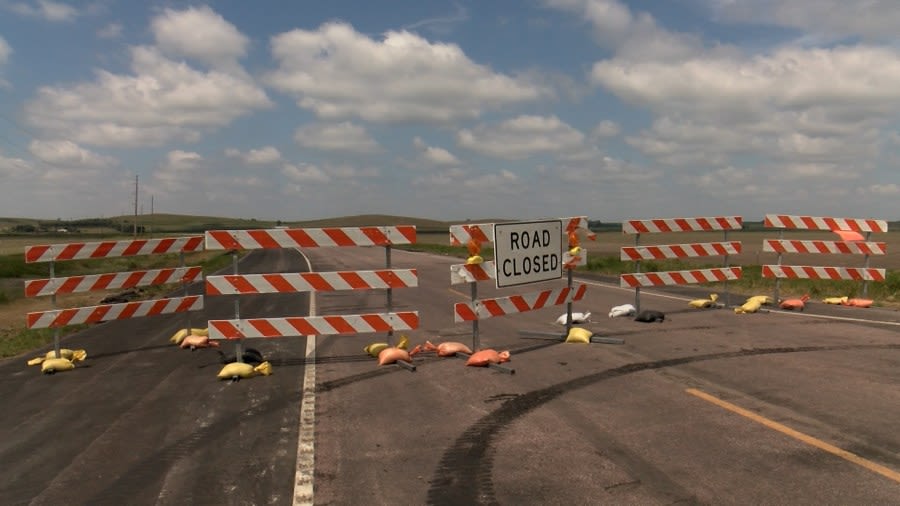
column 244, row 370
column 764, row 300
column 836, row 300
column 375, row 348
column 181, row 334
column 73, row 355
column 475, row 260
column 579, row 335
column 704, row 303
column 751, row 306
column 52, row 365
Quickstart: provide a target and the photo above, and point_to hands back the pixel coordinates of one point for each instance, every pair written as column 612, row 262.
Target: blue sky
column 451, row 110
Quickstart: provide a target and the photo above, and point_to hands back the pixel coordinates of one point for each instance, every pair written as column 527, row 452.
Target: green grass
column 17, row 341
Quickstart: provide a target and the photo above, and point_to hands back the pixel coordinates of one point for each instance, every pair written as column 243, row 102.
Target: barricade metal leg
column 238, row 351
column 56, row 347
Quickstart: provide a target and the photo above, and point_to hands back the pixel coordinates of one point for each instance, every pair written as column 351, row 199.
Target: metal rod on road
column 53, row 305
column 865, row 287
column 476, row 344
column 390, row 294
column 777, row 279
column 637, row 269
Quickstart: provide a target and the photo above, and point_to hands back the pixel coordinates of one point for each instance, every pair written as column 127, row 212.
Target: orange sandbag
column 195, row 341
column 794, row 304
column 445, row 349
column 483, row 358
column 858, row 302
column 392, row 355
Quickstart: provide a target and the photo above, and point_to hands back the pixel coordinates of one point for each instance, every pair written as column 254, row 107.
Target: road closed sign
column 527, row 252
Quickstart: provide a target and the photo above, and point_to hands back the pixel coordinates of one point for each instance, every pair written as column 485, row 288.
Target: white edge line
column 790, row 313
column 306, row 457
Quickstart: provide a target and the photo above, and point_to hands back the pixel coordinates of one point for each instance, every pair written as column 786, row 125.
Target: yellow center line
column 818, row 443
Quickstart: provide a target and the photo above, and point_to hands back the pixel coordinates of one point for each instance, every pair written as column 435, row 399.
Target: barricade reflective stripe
column 111, row 281
column 637, row 279
column 816, row 272
column 465, row 273
column 309, row 237
column 488, row 308
column 690, row 250
column 108, row 249
column 107, row 312
column 700, row 224
column 313, row 325
column 828, row 247
column 311, row 281
column 824, row 223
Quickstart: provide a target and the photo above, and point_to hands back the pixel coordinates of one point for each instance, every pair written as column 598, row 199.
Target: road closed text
column 527, row 252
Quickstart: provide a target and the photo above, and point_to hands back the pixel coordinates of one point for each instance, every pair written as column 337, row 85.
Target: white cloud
column 179, row 171
column 522, row 137
column 45, row 9
column 628, row 34
column 199, row 33
column 263, row 156
column 5, row 51
column 161, row 100
column 68, row 154
column 345, row 136
column 340, row 73
column 110, row 31
column 304, row 173
column 15, row 168
column 501, row 182
column 885, row 190
column 432, row 155
column 869, row 20
column 606, row 128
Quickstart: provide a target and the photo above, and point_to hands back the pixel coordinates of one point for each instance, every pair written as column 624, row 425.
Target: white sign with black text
column 527, row 252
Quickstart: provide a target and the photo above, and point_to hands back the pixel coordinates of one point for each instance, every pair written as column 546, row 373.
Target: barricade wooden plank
column 310, row 237
column 697, row 224
column 313, row 325
column 688, row 250
column 108, row 249
column 484, row 232
column 824, row 223
column 685, row 277
column 311, row 281
column 823, row 272
column 488, row 308
column 108, row 312
column 111, row 281
column 825, row 247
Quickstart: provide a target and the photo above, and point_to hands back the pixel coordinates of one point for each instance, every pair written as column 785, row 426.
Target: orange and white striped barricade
column 637, row 253
column 477, row 309
column 57, row 318
column 239, row 284
column 865, row 247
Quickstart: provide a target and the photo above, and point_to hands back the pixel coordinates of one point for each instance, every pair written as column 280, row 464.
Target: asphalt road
column 709, row 407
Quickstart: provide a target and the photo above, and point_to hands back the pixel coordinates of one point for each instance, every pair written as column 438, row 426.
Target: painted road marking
column 818, row 443
column 306, row 437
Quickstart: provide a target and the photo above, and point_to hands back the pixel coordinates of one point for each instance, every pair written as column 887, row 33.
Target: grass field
column 433, row 236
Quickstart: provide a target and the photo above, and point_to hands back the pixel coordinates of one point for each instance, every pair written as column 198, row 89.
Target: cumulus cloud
column 5, row 51
column 521, row 137
column 339, row 73
column 15, row 168
column 629, row 34
column 435, row 156
column 47, row 10
column 346, row 136
column 199, row 33
column 64, row 153
column 304, row 173
column 179, row 170
column 161, row 100
column 870, row 20
column 110, row 31
column 606, row 128
column 263, row 156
